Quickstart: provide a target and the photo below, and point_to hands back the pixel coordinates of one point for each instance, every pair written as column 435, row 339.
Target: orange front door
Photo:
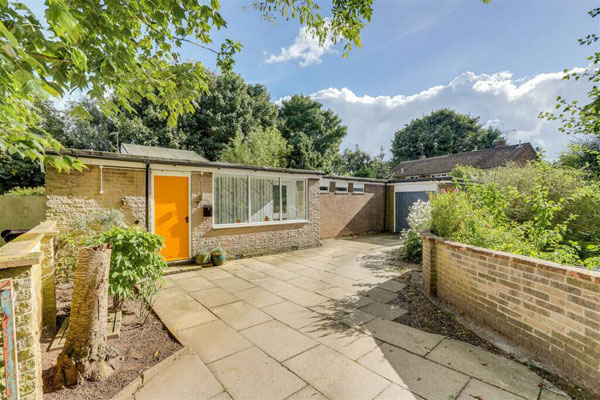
column 171, row 218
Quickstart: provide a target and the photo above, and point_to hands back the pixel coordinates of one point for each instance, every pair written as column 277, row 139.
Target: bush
column 135, row 262
column 536, row 210
column 27, row 191
column 419, row 220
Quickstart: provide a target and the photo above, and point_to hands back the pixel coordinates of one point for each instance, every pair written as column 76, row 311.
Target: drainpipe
column 148, row 196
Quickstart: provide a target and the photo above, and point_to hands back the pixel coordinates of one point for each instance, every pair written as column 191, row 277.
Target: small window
column 341, row 187
column 440, row 175
column 413, row 177
column 324, row 186
column 358, row 188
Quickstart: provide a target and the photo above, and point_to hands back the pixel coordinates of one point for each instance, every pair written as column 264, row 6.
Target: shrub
column 419, row 219
column 27, row 191
column 135, row 262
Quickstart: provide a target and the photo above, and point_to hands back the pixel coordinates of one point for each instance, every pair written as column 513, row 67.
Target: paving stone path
column 315, row 324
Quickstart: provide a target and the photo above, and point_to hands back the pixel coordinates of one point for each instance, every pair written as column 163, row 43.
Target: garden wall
column 550, row 311
column 21, row 212
column 351, row 214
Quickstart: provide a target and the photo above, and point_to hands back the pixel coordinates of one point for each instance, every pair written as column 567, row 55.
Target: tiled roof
column 485, row 158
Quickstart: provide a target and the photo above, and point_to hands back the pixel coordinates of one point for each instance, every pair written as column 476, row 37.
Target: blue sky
column 501, row 61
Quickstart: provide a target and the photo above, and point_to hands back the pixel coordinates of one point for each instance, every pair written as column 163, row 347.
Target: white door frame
column 186, row 174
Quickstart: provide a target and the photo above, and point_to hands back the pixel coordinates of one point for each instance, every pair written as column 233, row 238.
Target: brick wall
column 550, row 311
column 390, row 209
column 352, row 214
column 251, row 241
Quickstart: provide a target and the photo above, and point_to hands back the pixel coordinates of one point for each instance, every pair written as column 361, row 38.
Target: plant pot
column 217, row 259
column 202, row 259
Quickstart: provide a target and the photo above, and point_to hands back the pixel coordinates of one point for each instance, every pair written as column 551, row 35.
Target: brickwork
column 390, row 209
column 256, row 240
column 352, row 214
column 547, row 310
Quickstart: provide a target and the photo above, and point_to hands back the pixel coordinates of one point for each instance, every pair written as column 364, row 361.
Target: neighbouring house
column 498, row 155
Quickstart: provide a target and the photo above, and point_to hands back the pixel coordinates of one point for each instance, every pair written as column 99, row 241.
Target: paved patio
column 315, row 324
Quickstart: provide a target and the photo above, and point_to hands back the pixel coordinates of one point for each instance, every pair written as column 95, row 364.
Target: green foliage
column 217, row 251
column 419, row 220
column 265, row 147
column 82, row 232
column 27, row 191
column 359, row 163
column 202, row 257
column 536, row 210
column 584, row 155
column 442, row 132
column 314, row 134
column 136, row 267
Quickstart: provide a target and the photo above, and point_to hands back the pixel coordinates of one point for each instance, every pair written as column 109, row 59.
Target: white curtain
column 231, row 199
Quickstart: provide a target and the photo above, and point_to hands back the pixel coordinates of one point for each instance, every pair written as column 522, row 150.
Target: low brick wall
column 547, row 310
column 352, row 214
column 28, row 262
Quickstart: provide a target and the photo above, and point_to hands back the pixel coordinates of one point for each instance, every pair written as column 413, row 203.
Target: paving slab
column 222, row 396
column 178, row 310
column 380, row 295
column 214, row 297
column 396, row 392
column 292, row 314
column 488, row 367
column 233, row 284
column 384, row 311
column 392, row 286
column 311, row 284
column 336, row 376
column 272, row 284
column 344, row 313
column 184, row 275
column 212, row 273
column 259, row 297
column 302, row 297
column 479, row 390
column 411, row 339
column 213, row 340
column 185, row 377
column 247, row 273
column 240, row 315
column 308, row 393
column 337, row 293
column 278, row 340
column 421, row 376
column 349, row 342
column 194, row 283
column 251, row 374
column 546, row 394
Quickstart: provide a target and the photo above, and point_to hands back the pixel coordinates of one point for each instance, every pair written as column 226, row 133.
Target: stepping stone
column 183, row 377
column 483, row 365
column 233, row 284
column 214, row 297
column 417, row 374
column 385, row 311
column 213, row 340
column 259, row 297
column 302, row 297
column 336, row 376
column 395, row 392
column 411, row 339
column 380, row 295
column 251, row 374
column 278, row 340
column 240, row 315
column 479, row 390
column 292, row 314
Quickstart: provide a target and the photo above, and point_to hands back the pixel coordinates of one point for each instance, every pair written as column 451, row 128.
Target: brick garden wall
column 352, row 214
column 550, row 311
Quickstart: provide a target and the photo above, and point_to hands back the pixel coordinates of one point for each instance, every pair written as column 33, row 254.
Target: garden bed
column 139, row 347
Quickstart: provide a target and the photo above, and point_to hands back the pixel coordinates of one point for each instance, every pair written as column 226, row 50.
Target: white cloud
column 305, row 48
column 513, row 105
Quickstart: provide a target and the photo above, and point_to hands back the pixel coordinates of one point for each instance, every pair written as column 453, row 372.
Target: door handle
column 187, row 219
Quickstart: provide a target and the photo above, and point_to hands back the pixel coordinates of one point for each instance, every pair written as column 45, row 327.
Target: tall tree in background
column 359, row 163
column 314, row 134
column 444, row 131
column 262, row 146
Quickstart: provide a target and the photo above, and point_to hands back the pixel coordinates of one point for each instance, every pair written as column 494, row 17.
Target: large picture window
column 253, row 200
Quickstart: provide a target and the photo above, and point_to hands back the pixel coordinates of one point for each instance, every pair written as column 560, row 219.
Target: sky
column 502, row 62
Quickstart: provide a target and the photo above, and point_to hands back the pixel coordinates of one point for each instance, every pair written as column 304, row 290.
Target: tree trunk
column 85, row 352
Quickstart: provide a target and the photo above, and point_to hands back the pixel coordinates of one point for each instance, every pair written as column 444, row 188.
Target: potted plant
column 202, row 257
column 217, row 256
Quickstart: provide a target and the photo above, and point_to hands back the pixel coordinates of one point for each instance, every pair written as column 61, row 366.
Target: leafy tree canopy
column 314, row 134
column 583, row 155
column 264, row 147
column 118, row 53
column 359, row 163
column 444, row 131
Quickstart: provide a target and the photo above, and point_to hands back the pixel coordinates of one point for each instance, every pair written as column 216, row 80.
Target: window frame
column 328, row 186
column 248, row 177
column 341, row 185
column 361, row 185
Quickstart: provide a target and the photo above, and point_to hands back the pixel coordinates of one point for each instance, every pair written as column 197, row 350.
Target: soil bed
column 427, row 316
column 139, row 347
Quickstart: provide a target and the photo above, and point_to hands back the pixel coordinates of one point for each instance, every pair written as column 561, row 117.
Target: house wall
column 71, row 195
column 550, row 311
column 352, row 214
column 21, row 212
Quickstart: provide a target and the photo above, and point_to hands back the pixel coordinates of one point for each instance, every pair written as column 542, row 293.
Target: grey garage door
column 403, row 202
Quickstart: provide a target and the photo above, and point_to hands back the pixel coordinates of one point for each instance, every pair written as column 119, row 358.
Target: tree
column 359, row 163
column 265, row 147
column 314, row 134
column 583, row 155
column 444, row 131
column 119, row 53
